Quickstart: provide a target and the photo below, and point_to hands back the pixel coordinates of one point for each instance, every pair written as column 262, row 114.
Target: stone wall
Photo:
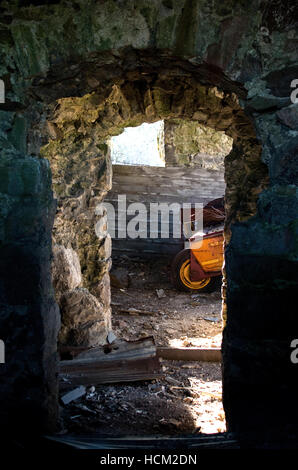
column 85, row 320
column 188, row 143
column 77, row 72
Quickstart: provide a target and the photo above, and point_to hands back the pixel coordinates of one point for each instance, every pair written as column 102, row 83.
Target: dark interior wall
column 261, row 280
column 57, row 51
column 29, row 316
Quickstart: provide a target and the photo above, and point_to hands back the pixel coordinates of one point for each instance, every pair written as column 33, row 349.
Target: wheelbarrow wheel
column 180, row 271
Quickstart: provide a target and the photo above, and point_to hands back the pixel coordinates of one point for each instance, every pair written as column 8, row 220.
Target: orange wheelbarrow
column 199, row 267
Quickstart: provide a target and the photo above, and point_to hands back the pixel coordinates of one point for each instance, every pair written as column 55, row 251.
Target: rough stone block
column 66, row 270
column 119, row 278
column 85, row 321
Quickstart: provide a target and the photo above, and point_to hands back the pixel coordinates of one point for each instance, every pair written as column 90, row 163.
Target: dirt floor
column 188, row 398
column 178, row 319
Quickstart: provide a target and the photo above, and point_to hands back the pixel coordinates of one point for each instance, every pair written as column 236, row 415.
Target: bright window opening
column 142, row 145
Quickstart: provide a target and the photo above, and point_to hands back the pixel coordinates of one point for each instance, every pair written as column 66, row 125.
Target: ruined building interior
column 221, row 77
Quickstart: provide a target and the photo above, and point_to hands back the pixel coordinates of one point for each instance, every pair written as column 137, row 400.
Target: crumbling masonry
column 78, row 72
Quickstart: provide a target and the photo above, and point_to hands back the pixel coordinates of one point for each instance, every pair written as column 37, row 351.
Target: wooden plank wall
column 148, row 184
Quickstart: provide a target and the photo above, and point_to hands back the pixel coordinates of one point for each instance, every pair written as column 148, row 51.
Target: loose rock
column 84, row 320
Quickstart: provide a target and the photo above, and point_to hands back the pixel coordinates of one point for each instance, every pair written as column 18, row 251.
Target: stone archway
column 239, row 48
column 80, row 161
column 79, row 155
